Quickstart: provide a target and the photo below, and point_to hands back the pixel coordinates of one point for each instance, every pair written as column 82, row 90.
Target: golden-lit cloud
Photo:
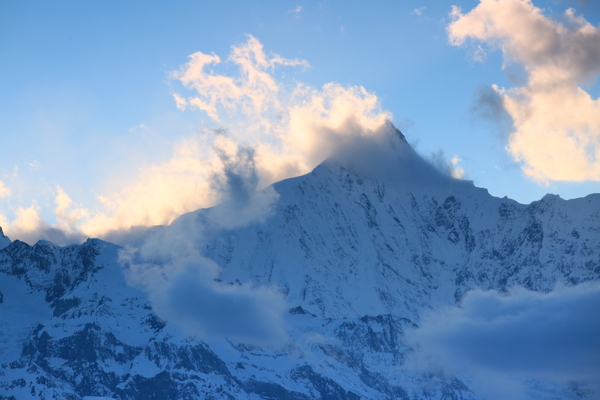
column 556, row 122
column 67, row 212
column 289, row 128
column 261, row 128
column 26, row 220
column 252, row 91
column 28, row 225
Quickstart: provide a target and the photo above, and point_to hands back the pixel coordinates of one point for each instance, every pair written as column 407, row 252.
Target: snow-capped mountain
column 355, row 252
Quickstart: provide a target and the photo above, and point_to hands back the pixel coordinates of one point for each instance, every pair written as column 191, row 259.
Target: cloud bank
column 556, row 122
column 497, row 337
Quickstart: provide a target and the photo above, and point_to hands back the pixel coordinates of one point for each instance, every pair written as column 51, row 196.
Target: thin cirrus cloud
column 556, row 123
column 495, row 337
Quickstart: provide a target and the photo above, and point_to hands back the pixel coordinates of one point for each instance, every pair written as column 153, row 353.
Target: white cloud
column 520, row 334
column 27, row 219
column 447, row 167
column 34, row 165
column 457, row 172
column 557, row 123
column 419, row 11
column 4, row 190
column 68, row 214
column 180, row 102
column 28, row 225
column 479, row 54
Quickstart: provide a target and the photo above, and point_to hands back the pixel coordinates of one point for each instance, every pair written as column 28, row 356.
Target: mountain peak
column 4, row 240
column 386, row 156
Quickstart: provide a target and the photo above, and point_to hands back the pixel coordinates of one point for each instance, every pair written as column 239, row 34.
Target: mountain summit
column 315, row 293
column 386, row 156
column 4, row 240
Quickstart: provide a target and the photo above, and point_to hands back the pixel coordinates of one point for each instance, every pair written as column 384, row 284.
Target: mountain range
column 317, row 287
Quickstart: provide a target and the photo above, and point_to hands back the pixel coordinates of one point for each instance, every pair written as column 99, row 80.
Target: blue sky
column 87, row 107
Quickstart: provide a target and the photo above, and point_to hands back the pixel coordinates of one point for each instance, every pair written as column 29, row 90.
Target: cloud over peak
column 258, row 127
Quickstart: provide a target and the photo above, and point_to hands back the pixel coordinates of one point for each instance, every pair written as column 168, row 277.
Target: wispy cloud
column 448, row 167
column 488, row 106
column 419, row 11
column 34, row 165
column 556, row 122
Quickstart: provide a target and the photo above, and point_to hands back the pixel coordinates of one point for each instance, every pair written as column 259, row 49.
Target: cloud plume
column 556, row 122
column 552, row 336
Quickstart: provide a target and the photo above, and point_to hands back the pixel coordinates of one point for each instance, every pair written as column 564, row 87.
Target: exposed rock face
column 358, row 258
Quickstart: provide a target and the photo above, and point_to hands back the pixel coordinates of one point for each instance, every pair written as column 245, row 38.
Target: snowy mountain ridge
column 353, row 253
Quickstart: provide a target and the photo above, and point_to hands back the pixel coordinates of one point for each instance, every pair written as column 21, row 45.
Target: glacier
column 354, row 255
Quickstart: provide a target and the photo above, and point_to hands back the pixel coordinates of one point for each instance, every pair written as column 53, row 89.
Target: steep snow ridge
column 342, row 246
